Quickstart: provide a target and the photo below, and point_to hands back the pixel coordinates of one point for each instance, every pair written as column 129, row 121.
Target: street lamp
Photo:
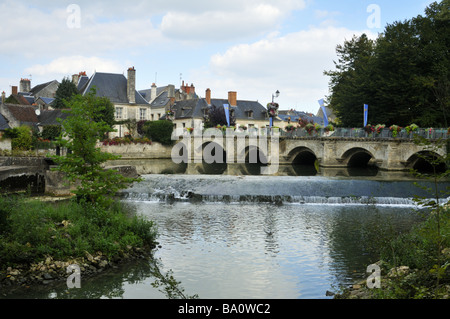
column 273, row 108
column 275, row 95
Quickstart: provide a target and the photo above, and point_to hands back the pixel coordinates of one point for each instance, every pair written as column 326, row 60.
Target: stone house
column 162, row 99
column 192, row 113
column 121, row 91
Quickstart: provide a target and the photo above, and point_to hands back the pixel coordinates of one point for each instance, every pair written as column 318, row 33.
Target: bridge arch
column 302, row 156
column 358, row 157
column 214, row 159
column 420, row 162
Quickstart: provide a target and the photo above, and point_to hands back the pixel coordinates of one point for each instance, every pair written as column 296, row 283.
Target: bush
column 159, row 131
column 21, row 138
column 65, row 230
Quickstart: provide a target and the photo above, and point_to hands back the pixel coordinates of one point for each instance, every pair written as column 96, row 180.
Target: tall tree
column 66, row 90
column 350, row 82
column 403, row 75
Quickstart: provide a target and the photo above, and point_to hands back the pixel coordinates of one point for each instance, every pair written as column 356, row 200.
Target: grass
column 31, row 230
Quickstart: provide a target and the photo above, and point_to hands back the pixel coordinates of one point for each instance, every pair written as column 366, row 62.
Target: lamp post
column 273, row 108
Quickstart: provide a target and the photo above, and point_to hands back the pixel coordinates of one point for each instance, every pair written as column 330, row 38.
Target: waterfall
column 275, row 190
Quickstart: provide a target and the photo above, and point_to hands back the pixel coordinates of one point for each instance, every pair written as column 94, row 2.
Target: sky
column 252, row 47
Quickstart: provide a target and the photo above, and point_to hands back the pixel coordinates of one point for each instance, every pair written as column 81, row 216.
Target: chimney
column 153, row 92
column 75, row 79
column 232, row 98
column 192, row 91
column 208, row 96
column 14, row 90
column 3, row 97
column 25, row 85
column 131, row 85
column 171, row 94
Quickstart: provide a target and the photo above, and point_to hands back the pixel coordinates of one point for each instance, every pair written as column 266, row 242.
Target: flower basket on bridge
column 395, row 130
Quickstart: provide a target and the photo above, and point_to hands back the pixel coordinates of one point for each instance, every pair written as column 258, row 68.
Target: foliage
column 216, row 116
column 159, row 131
column 51, row 132
column 21, row 137
column 83, row 165
column 403, row 75
column 35, row 230
column 66, row 90
column 426, row 249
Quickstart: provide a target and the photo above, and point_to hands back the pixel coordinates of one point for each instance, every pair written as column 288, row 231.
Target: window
column 159, row 116
column 250, row 114
column 142, row 114
column 153, row 117
column 119, row 113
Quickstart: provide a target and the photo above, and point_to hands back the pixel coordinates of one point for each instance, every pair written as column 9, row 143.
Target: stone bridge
column 388, row 154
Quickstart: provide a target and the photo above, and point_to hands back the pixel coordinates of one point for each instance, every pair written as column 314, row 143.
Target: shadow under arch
column 214, row 159
column 360, row 162
column 255, row 158
column 303, row 161
column 422, row 163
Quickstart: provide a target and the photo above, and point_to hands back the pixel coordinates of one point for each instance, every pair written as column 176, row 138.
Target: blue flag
column 325, row 116
column 227, row 113
column 366, row 113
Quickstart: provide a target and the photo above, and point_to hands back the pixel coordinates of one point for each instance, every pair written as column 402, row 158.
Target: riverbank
column 41, row 238
column 424, row 258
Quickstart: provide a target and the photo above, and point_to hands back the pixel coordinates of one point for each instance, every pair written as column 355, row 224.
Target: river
column 257, row 237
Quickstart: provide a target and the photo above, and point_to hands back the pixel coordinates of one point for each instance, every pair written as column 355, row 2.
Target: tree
column 66, row 90
column 350, row 82
column 404, row 75
column 159, row 131
column 84, row 164
column 216, row 116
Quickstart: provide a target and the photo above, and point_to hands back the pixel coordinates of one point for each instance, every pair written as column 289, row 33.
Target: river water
column 257, row 237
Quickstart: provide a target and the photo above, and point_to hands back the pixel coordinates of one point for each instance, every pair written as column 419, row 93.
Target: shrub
column 159, row 131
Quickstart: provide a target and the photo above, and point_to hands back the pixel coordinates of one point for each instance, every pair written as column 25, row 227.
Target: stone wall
column 139, row 151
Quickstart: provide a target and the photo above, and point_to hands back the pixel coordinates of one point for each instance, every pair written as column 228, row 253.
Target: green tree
column 66, row 90
column 159, row 131
column 84, row 164
column 350, row 82
column 404, row 75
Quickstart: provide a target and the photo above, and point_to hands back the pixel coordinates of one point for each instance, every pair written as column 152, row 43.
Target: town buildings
column 33, row 105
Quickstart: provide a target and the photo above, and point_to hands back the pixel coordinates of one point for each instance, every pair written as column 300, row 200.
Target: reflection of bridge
column 389, row 154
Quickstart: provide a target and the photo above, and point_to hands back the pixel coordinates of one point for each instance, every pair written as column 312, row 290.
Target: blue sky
column 253, row 47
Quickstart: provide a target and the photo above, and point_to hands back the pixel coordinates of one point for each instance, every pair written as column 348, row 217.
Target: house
column 19, row 115
column 192, row 113
column 50, row 117
column 47, row 90
column 162, row 99
column 121, row 91
column 292, row 117
column 332, row 118
column 44, row 103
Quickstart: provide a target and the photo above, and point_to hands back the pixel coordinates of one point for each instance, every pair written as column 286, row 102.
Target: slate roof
column 22, row 113
column 40, row 87
column 3, row 123
column 112, row 86
column 194, row 108
column 50, row 117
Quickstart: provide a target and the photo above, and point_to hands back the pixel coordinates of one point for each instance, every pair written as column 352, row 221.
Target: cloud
column 227, row 19
column 36, row 31
column 292, row 63
column 66, row 66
